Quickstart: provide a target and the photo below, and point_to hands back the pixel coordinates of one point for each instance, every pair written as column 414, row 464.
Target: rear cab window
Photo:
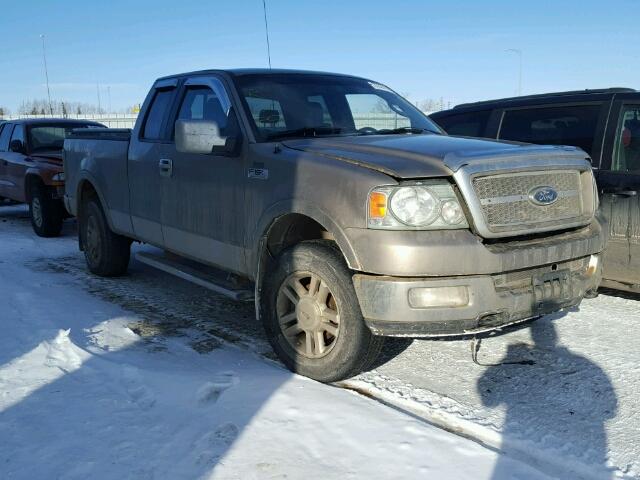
column 573, row 125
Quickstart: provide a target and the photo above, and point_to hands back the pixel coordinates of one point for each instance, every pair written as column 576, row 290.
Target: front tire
column 312, row 316
column 107, row 253
column 47, row 213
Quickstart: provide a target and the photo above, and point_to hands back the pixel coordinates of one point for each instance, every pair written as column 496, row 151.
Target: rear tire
column 312, row 316
column 107, row 253
column 47, row 213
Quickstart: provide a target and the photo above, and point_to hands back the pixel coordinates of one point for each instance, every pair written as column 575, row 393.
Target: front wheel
column 47, row 213
column 312, row 316
column 107, row 253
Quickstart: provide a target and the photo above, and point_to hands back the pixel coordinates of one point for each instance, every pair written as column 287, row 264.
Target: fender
column 24, row 188
column 289, row 206
column 86, row 176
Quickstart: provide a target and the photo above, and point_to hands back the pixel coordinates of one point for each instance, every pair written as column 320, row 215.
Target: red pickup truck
column 31, row 168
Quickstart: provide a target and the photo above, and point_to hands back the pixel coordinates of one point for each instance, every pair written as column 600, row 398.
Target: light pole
column 518, row 52
column 98, row 90
column 46, row 73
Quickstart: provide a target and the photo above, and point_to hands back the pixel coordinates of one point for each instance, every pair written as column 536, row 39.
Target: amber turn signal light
column 377, row 205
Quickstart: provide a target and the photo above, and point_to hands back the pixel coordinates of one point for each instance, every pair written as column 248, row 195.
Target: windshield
column 300, row 105
column 47, row 138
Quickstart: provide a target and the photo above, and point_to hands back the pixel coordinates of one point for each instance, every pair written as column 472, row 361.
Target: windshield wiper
column 391, row 131
column 303, row 132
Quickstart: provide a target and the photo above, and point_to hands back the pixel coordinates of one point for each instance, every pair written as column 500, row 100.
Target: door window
column 202, row 103
column 566, row 125
column 158, row 110
column 626, row 156
column 470, row 124
column 5, row 135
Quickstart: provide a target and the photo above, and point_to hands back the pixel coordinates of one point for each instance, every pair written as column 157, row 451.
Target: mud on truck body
column 342, row 230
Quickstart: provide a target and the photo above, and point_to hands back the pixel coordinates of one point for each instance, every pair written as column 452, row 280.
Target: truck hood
column 418, row 156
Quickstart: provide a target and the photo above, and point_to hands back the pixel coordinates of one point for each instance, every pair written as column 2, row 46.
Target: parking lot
column 559, row 393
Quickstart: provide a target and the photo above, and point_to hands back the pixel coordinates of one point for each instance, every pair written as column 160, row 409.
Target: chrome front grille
column 507, row 204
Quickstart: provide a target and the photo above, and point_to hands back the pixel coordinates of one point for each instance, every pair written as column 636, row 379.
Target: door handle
column 166, row 167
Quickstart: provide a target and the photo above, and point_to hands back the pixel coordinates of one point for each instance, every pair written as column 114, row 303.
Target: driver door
column 203, row 194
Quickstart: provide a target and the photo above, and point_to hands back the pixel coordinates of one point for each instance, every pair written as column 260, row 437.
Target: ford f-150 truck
column 339, row 208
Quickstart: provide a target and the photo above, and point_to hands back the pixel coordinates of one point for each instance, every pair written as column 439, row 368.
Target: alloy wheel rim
column 36, row 211
column 308, row 315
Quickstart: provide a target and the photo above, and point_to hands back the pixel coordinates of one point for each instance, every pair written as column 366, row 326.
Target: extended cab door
column 203, row 196
column 619, row 184
column 144, row 164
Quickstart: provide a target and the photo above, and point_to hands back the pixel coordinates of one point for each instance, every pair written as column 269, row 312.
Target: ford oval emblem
column 543, row 195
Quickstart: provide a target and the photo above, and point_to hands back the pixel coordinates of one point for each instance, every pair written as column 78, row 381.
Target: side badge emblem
column 259, row 173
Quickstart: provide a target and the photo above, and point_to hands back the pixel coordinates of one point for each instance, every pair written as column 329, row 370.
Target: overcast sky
column 424, row 49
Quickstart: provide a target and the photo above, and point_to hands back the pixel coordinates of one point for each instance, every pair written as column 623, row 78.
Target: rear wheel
column 312, row 316
column 47, row 213
column 107, row 253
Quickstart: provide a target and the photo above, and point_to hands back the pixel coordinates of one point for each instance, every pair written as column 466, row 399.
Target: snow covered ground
column 150, row 377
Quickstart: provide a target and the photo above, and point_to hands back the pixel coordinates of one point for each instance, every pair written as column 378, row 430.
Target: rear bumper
column 391, row 305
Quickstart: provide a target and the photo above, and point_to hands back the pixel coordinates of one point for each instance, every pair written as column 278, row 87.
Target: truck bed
column 99, row 155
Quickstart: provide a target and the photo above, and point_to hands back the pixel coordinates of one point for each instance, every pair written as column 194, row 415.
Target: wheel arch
column 281, row 227
column 31, row 180
column 85, row 190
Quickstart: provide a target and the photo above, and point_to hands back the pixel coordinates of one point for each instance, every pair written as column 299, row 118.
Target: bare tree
column 62, row 108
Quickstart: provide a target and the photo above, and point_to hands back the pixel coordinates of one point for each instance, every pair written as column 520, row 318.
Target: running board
column 206, row 277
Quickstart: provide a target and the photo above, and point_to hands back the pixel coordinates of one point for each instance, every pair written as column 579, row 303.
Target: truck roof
column 257, row 71
column 542, row 96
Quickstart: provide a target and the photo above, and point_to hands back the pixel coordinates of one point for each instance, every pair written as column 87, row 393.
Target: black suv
column 605, row 124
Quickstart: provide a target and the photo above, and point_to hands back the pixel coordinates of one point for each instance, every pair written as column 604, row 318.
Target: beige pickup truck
column 336, row 206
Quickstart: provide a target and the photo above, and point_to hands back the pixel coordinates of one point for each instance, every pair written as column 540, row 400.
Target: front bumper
column 490, row 301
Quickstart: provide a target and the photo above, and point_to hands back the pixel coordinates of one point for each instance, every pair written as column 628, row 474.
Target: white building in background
column 111, row 120
column 128, row 120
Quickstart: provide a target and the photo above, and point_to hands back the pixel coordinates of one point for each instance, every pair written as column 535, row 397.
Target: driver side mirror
column 16, row 146
column 198, row 136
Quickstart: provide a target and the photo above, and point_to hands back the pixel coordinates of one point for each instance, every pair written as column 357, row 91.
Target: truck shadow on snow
column 99, row 401
column 569, row 409
column 556, row 402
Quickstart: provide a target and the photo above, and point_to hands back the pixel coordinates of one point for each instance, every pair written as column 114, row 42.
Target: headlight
column 58, row 177
column 418, row 206
column 415, row 206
